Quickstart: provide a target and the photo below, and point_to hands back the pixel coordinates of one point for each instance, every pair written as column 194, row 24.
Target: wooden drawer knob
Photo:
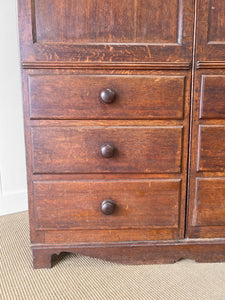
column 107, row 96
column 107, row 150
column 108, row 206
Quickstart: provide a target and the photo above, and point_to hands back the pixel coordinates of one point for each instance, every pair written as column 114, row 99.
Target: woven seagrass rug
column 77, row 277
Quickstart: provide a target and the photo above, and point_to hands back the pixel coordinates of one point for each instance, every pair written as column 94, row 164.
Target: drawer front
column 212, row 97
column 133, row 149
column 210, row 202
column 82, row 97
column 77, row 204
column 211, row 148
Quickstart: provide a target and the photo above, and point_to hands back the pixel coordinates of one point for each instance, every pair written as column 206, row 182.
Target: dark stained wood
column 157, row 22
column 143, row 58
column 207, row 167
column 210, row 202
column 41, row 259
column 78, row 97
column 86, row 21
column 77, row 204
column 134, row 234
column 206, row 232
column 210, row 65
column 78, row 149
column 107, row 65
column 211, row 148
column 211, row 30
column 216, row 32
column 212, row 97
column 95, row 30
column 109, row 235
column 97, row 21
column 136, row 253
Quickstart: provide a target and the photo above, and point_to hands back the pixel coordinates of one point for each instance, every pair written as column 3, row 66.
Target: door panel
column 96, row 30
column 85, row 21
column 211, row 30
column 113, row 21
column 207, row 173
column 216, row 33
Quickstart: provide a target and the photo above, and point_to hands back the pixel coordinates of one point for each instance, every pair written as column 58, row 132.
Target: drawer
column 211, row 148
column 126, row 97
column 210, row 202
column 212, row 97
column 132, row 149
column 130, row 204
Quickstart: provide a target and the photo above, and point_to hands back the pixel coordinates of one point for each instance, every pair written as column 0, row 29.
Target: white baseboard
column 13, row 202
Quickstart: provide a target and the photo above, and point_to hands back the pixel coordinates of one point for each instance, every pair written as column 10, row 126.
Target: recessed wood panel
column 77, row 149
column 109, row 31
column 111, row 21
column 210, row 202
column 158, row 21
column 84, row 21
column 211, row 152
column 210, row 48
column 216, row 21
column 77, row 204
column 78, row 97
column 212, row 97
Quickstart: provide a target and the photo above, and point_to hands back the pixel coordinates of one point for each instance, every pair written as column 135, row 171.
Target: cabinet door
column 211, row 31
column 207, row 175
column 107, row 31
column 207, row 182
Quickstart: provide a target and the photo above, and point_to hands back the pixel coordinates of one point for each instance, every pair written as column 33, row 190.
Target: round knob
column 108, row 206
column 107, row 150
column 107, row 96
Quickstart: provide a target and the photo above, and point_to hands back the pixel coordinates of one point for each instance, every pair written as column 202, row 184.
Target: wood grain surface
column 77, row 149
column 77, row 204
column 110, row 31
column 157, row 151
column 78, row 97
column 211, row 148
column 210, row 202
column 212, row 104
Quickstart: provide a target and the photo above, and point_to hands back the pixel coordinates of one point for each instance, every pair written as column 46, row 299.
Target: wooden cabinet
column 124, row 125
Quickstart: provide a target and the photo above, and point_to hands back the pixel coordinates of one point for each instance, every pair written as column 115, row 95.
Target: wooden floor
column 78, row 277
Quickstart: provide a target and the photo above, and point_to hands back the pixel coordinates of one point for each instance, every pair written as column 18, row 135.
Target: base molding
column 136, row 252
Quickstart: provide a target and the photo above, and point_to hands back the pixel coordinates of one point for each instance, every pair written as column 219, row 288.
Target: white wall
column 13, row 190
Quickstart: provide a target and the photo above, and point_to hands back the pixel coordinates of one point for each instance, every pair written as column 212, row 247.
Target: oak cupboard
column 124, row 115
